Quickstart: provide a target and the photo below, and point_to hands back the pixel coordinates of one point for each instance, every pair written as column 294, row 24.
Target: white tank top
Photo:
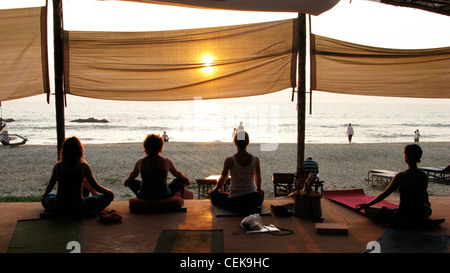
column 242, row 178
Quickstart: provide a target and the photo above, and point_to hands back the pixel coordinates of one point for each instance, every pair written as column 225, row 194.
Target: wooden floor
column 139, row 233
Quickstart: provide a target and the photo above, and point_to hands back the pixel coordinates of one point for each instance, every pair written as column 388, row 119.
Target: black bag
column 283, row 210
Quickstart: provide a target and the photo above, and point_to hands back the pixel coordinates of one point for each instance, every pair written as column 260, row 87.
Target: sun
column 208, row 64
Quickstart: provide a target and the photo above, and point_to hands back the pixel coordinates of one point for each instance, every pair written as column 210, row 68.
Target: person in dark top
column 412, row 185
column 153, row 169
column 72, row 173
column 310, row 166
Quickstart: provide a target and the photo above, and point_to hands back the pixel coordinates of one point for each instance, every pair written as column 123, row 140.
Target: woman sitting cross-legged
column 73, row 173
column 414, row 207
column 245, row 194
column 153, row 169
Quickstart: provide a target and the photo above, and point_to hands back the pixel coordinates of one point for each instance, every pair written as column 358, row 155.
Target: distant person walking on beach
column 245, row 187
column 350, row 133
column 165, row 137
column 240, row 128
column 416, row 135
column 412, row 185
column 72, row 173
column 153, row 169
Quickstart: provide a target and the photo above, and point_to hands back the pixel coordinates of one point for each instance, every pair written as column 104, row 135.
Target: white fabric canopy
column 347, row 68
column 313, row 7
column 208, row 63
column 23, row 53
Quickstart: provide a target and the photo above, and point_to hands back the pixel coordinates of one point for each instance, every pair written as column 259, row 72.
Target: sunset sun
column 208, row 64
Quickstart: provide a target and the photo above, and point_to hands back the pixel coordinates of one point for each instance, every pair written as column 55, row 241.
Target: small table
column 213, row 177
column 217, row 177
column 207, row 184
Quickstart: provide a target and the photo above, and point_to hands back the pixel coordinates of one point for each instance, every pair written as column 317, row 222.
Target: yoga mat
column 45, row 236
column 221, row 212
column 405, row 241
column 190, row 241
column 351, row 198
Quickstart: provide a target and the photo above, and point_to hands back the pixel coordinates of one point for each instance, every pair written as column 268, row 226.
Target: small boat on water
column 7, row 139
column 10, row 139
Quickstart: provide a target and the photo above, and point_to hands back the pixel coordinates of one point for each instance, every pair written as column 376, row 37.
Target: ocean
column 215, row 120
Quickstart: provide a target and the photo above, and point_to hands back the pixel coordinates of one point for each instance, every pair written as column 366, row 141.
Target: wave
column 131, row 121
column 427, row 125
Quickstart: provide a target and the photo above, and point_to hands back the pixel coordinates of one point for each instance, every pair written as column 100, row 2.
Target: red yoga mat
column 351, row 198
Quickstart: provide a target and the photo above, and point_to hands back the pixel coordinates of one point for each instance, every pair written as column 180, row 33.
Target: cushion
column 168, row 204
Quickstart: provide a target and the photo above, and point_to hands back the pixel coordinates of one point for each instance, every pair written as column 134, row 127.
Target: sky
column 357, row 21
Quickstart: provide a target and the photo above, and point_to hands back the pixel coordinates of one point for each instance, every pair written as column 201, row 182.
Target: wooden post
column 301, row 94
column 59, row 72
column 309, row 37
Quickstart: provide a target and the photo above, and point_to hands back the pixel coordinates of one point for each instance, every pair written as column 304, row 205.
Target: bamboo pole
column 301, row 94
column 59, row 72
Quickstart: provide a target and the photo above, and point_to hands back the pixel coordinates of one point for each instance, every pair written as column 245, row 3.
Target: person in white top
column 245, row 194
column 416, row 135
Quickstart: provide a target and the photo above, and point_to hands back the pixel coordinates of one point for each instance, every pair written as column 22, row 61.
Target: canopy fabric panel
column 437, row 6
column 313, row 7
column 23, row 53
column 342, row 67
column 207, row 63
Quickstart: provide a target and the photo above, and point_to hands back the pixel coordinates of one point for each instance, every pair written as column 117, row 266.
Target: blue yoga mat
column 406, row 241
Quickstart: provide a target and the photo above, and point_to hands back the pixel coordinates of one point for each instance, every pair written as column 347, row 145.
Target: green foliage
column 32, row 198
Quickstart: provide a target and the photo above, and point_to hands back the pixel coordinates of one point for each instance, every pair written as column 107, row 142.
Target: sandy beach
column 25, row 171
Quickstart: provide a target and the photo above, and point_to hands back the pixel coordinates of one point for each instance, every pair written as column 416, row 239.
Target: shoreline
column 253, row 143
column 25, row 170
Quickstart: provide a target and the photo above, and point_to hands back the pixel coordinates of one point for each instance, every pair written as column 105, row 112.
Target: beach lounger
column 283, row 183
column 377, row 177
column 437, row 174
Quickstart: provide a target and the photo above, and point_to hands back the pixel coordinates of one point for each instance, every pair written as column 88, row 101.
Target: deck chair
column 283, row 183
column 437, row 174
column 377, row 177
column 204, row 187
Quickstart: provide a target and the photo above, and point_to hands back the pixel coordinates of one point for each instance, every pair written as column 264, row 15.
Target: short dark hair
column 241, row 139
column 413, row 152
column 153, row 144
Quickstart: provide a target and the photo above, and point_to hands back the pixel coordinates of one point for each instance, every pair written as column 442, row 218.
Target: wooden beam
column 301, row 94
column 59, row 72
